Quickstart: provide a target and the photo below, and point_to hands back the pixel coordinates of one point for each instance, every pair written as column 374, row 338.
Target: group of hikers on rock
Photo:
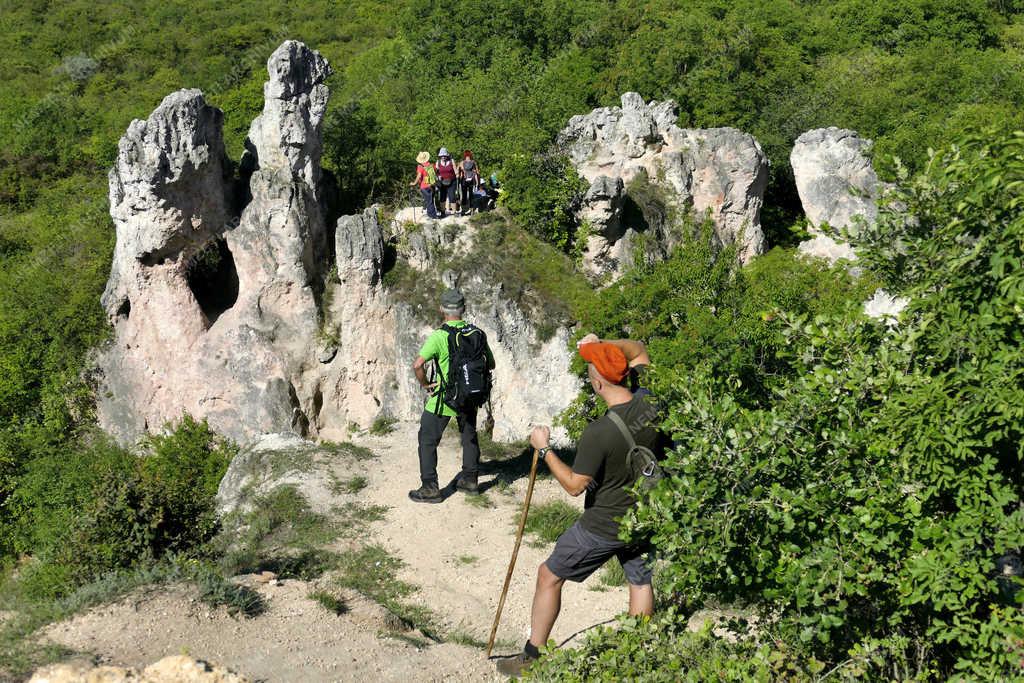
column 451, row 188
column 605, row 467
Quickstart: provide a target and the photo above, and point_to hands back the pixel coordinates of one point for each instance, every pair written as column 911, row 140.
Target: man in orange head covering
column 601, row 471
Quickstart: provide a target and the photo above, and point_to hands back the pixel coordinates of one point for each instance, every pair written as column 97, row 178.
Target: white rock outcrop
column 213, row 315
column 241, row 320
column 838, row 188
column 172, row 669
column 721, row 172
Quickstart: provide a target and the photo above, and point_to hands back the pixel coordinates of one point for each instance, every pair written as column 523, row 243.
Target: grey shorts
column 579, row 553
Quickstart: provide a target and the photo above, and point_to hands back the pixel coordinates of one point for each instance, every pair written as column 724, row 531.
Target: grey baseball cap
column 453, row 298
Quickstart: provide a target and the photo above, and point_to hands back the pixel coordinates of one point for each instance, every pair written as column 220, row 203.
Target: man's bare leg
column 641, row 600
column 547, row 602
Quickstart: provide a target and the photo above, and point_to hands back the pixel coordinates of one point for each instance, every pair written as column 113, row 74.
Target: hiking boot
column 513, row 667
column 428, row 493
column 467, row 484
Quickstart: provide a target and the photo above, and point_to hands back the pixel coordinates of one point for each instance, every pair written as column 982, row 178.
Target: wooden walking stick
column 515, row 552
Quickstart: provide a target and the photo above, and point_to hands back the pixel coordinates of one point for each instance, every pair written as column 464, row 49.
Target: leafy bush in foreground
column 107, row 508
column 700, row 311
column 865, row 506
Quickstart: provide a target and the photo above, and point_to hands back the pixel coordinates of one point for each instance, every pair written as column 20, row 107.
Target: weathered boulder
column 168, row 195
column 271, row 461
column 719, row 172
column 173, row 669
column 288, row 133
column 358, row 385
column 835, row 178
column 838, row 188
column 213, row 315
column 602, row 207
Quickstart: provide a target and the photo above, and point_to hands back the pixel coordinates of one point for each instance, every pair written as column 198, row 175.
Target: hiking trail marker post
column 515, row 553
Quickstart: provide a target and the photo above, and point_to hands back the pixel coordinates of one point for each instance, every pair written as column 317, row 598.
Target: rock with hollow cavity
column 213, row 315
column 718, row 172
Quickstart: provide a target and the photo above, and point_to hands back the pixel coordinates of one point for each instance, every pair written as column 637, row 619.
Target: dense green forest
column 871, row 528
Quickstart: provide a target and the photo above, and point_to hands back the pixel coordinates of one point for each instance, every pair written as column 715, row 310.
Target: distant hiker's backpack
column 643, row 465
column 431, row 174
column 468, row 384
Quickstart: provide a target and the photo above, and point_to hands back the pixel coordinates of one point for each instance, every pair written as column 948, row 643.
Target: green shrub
column 864, row 503
column 699, row 311
column 106, row 508
column 662, row 650
column 280, row 533
column 543, row 193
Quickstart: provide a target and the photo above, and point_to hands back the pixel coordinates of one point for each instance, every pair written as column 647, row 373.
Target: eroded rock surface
column 242, row 320
column 213, row 315
column 838, row 188
column 721, row 172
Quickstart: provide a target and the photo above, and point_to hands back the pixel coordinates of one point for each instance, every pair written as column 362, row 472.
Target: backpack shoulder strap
column 621, row 424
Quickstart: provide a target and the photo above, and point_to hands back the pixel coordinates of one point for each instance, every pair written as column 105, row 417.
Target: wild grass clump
column 112, row 509
column 548, row 521
column 281, row 533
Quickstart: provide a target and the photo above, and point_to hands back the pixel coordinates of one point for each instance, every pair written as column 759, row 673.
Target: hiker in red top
column 425, row 177
column 447, row 183
column 602, row 471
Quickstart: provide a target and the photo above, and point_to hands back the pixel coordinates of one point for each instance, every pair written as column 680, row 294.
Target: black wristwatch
column 543, row 451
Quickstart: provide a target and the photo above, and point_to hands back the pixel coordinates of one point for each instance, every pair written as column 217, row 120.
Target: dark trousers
column 431, row 428
column 466, row 186
column 428, row 201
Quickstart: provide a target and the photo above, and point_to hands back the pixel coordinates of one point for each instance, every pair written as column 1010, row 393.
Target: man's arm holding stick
column 573, row 483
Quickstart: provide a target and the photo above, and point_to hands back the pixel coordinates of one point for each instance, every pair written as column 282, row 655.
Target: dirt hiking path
column 456, row 552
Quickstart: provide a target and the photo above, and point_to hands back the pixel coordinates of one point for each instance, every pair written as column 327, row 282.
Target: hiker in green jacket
column 452, row 394
column 601, row 471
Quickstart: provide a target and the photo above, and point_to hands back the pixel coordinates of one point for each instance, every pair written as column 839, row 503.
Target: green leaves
column 862, row 501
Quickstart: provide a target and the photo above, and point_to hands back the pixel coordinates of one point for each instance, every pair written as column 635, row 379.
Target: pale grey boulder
column 214, row 315
column 838, row 188
column 720, row 173
column 288, row 134
column 837, row 184
column 168, row 193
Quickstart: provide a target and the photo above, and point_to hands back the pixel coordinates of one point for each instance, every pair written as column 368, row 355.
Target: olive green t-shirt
column 601, row 455
column 436, row 347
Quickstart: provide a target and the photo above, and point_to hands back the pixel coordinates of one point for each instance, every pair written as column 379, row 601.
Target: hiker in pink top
column 447, row 185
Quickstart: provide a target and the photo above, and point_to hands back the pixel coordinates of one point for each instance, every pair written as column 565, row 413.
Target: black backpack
column 640, row 460
column 468, row 384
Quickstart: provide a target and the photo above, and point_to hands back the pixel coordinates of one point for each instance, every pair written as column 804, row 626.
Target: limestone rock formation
column 212, row 315
column 241, row 319
column 718, row 171
column 173, row 669
column 838, row 188
column 271, row 461
column 168, row 194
